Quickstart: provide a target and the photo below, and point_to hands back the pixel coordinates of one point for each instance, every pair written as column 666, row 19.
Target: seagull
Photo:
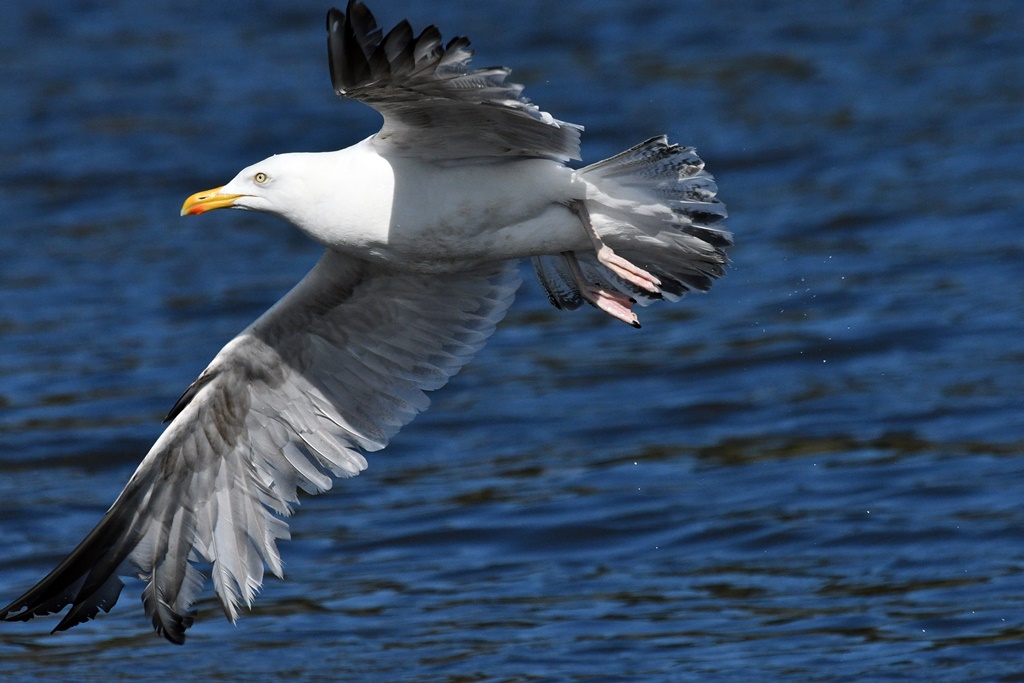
column 422, row 225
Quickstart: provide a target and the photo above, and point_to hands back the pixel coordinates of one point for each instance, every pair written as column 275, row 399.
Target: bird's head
column 328, row 196
column 264, row 186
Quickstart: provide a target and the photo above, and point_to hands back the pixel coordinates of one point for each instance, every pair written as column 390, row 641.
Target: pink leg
column 626, row 269
column 623, row 268
column 614, row 303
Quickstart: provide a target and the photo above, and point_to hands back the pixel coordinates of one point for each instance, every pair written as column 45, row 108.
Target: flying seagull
column 421, row 225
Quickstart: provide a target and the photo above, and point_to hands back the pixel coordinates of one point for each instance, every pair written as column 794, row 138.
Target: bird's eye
column 260, row 177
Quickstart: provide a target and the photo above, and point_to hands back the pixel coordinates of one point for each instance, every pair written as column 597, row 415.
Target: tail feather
column 655, row 205
column 554, row 275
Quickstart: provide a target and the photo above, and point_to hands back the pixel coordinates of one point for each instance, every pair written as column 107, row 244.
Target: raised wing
column 333, row 369
column 433, row 105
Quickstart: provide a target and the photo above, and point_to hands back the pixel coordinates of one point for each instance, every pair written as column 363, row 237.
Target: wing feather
column 333, row 369
column 433, row 105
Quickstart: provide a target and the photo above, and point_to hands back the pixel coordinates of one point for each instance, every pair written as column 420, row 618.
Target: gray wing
column 433, row 105
column 332, row 370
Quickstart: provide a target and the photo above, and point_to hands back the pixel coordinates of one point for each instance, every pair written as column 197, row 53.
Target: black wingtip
column 173, row 631
column 352, row 36
column 16, row 612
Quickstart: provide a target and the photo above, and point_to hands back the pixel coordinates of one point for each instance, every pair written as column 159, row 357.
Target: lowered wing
column 333, row 370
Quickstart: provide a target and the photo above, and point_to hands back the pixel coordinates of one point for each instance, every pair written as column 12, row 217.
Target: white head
column 341, row 199
column 281, row 185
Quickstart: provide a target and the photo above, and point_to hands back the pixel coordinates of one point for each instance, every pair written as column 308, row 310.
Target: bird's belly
column 461, row 240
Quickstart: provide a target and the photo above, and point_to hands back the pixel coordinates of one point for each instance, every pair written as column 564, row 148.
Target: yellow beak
column 208, row 200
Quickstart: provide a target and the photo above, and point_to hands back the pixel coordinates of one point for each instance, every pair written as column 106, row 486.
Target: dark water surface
column 812, row 473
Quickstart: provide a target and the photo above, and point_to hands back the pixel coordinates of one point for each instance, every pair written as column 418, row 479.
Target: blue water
column 812, row 473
